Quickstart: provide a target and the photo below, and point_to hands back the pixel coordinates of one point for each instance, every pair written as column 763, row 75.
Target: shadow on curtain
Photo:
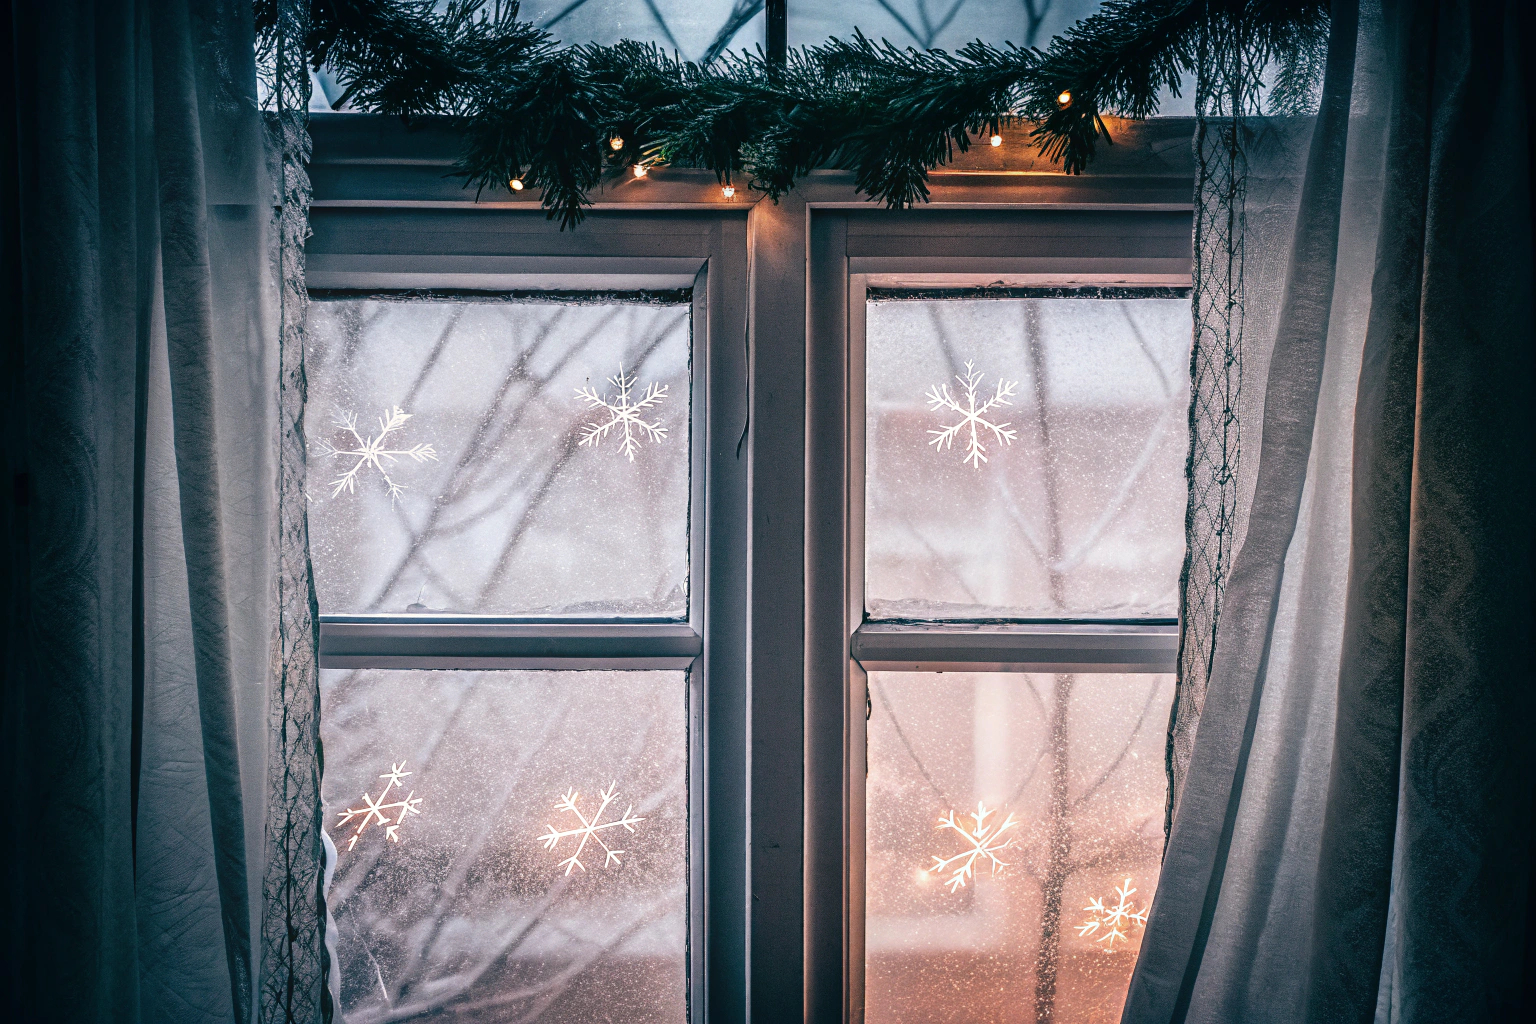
column 1353, row 839
column 142, row 446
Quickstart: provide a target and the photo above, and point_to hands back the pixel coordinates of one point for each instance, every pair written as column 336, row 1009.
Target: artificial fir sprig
column 546, row 114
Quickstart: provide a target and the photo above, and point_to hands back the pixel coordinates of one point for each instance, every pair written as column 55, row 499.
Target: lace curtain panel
column 1352, row 837
column 160, row 614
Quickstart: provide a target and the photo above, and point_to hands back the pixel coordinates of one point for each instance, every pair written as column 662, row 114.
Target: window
column 786, row 643
column 1013, row 540
column 511, row 479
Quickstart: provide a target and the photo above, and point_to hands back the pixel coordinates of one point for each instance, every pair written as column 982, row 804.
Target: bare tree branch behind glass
column 1076, row 757
column 512, row 514
column 467, row 916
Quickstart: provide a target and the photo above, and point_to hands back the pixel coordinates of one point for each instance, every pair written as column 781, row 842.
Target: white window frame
column 381, row 222
column 1109, row 244
column 776, row 900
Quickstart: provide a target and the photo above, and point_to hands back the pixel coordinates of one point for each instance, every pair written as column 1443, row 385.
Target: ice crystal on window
column 371, row 451
column 972, row 416
column 983, row 841
column 1113, row 920
column 622, row 412
column 373, row 810
column 589, row 828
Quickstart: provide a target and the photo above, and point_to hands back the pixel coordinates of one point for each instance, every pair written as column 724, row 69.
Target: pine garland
column 546, row 114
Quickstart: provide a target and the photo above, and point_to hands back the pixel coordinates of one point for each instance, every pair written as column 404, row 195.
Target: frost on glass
column 509, row 512
column 466, row 915
column 697, row 31
column 1074, row 507
column 1068, row 773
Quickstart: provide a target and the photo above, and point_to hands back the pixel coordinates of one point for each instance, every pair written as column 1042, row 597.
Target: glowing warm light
column 1064, row 100
column 622, row 412
column 641, row 170
column 1113, row 918
column 997, row 140
column 983, row 840
column 972, row 415
column 589, row 828
column 728, row 190
column 374, row 809
column 922, row 877
column 517, row 184
column 615, row 143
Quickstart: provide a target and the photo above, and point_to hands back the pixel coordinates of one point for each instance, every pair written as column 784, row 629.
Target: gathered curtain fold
column 145, row 425
column 1352, row 840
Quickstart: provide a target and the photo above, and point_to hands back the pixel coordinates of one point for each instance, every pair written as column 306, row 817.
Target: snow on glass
column 571, row 803
column 373, row 810
column 1065, row 773
column 1045, row 477
column 624, row 413
column 467, row 919
column 371, row 451
column 981, row 841
column 973, row 418
column 1107, row 923
column 474, row 493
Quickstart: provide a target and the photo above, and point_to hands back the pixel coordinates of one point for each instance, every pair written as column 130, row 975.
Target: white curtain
column 1352, row 839
column 143, row 421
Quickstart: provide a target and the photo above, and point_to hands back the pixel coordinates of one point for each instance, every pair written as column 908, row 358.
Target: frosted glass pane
column 1069, row 773
column 465, row 915
column 696, row 30
column 510, row 513
column 1073, row 506
column 942, row 24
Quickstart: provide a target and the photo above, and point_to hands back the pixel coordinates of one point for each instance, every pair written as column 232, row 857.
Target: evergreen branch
column 546, row 114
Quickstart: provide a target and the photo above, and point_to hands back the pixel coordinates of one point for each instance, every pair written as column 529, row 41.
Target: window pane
column 698, row 31
column 515, row 509
column 942, row 24
column 465, row 915
column 1068, row 771
column 1065, row 497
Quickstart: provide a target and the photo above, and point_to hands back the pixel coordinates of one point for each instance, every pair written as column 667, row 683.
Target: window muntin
column 510, row 514
column 1077, row 761
column 1076, row 514
column 468, row 916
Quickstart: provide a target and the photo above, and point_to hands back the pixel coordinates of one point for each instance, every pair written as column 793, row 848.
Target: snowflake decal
column 983, row 841
column 371, row 451
column 589, row 828
column 973, row 417
column 373, row 810
column 1113, row 920
column 624, row 413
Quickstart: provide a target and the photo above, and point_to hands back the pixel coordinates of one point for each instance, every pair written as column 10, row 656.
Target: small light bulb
column 1064, row 100
column 997, row 140
column 640, row 170
column 517, row 184
column 728, row 190
column 615, row 143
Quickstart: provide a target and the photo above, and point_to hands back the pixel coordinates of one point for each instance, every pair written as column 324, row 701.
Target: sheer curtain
column 142, row 443
column 1352, row 840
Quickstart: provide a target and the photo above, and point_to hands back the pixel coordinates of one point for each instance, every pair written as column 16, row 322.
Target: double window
column 610, row 734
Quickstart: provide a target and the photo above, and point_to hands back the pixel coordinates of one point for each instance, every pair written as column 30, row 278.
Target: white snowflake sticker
column 624, row 413
column 973, row 417
column 589, row 828
column 373, row 810
column 371, row 451
column 983, row 841
column 1113, row 920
